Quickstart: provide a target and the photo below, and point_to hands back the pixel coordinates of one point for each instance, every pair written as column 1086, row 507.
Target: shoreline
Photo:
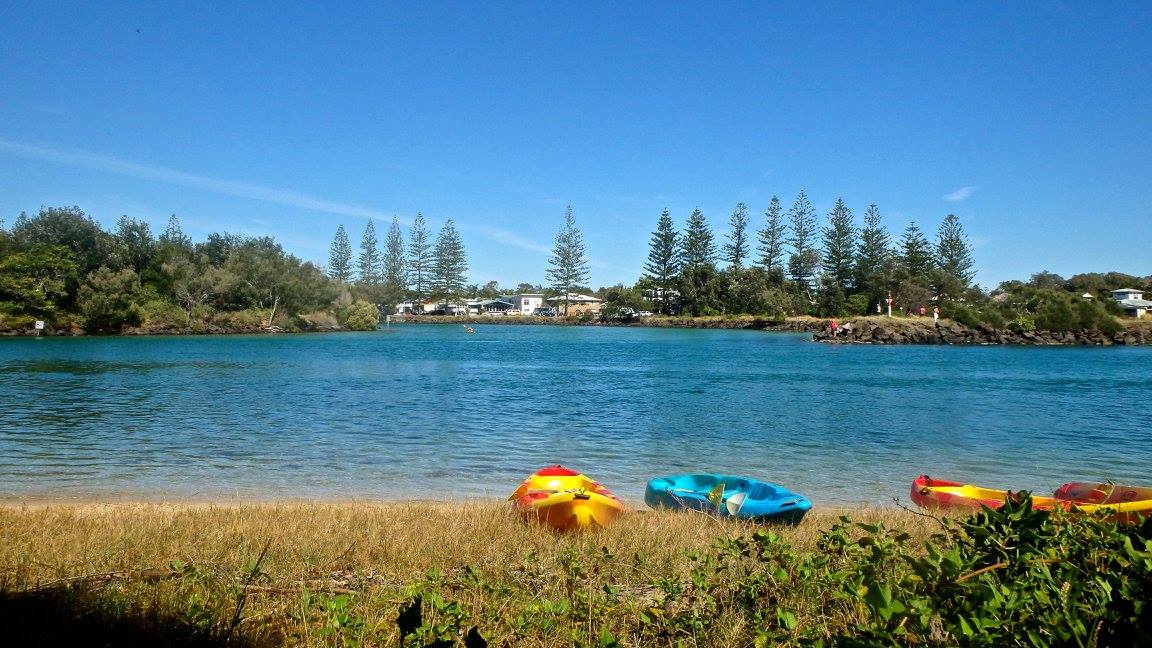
column 863, row 330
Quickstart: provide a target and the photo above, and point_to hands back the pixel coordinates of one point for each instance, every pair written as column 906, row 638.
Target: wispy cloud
column 963, row 193
column 273, row 195
column 109, row 164
column 506, row 237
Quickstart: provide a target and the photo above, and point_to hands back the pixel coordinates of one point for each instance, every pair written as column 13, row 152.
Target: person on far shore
column 922, row 311
column 832, row 326
column 935, row 314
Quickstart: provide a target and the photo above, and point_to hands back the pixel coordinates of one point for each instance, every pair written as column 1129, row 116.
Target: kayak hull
column 565, row 500
column 1121, row 503
column 727, row 496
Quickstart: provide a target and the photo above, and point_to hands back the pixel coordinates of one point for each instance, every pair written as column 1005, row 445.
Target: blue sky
column 1030, row 121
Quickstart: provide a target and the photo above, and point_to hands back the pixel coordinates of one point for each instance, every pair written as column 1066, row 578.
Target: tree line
column 60, row 267
column 420, row 270
column 791, row 264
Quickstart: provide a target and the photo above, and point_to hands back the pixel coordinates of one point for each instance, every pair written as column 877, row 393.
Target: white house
column 577, row 303
column 1132, row 301
column 526, row 303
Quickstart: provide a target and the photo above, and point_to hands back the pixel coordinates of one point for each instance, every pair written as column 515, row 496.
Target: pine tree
column 697, row 249
column 916, row 254
column 568, row 266
column 736, row 249
column 663, row 259
column 873, row 256
column 419, row 259
column 805, row 260
column 953, row 254
column 369, row 261
column 340, row 257
column 173, row 236
column 772, row 237
column 449, row 265
column 840, row 246
column 395, row 283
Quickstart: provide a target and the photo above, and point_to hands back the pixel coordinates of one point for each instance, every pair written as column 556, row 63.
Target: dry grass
column 169, row 558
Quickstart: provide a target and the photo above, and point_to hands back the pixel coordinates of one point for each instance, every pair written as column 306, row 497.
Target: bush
column 161, row 315
column 856, row 304
column 1022, row 324
column 245, row 321
column 107, row 300
column 993, row 318
column 361, row 316
column 962, row 313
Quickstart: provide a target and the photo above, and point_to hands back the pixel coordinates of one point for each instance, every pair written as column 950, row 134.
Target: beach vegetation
column 473, row 574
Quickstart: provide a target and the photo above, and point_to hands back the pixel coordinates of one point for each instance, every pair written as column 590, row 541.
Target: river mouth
column 429, row 413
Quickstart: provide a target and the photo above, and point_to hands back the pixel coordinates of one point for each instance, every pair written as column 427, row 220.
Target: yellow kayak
column 566, row 500
column 1121, row 503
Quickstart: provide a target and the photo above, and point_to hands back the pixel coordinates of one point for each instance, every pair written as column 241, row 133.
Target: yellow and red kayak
column 1123, row 503
column 566, row 500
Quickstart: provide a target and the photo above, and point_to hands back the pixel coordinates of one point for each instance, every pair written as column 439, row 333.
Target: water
column 431, row 412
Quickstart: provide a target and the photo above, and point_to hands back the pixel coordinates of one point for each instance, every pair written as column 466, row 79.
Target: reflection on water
column 427, row 411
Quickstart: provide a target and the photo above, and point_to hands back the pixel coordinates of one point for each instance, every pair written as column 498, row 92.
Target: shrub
column 1022, row 324
column 856, row 304
column 161, row 315
column 962, row 313
column 993, row 318
column 361, row 316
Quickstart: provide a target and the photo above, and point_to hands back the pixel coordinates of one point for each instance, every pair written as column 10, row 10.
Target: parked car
column 644, row 314
column 545, row 312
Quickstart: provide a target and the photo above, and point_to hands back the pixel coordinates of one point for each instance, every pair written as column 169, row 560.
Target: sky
column 1032, row 122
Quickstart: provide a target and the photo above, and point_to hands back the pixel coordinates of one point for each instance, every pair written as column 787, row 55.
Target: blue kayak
column 727, row 496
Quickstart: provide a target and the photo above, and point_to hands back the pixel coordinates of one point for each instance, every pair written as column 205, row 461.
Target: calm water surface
column 428, row 411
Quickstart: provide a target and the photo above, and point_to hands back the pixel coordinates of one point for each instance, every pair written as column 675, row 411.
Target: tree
column 67, row 226
column 450, row 264
column 108, row 300
column 174, row 236
column 419, row 258
column 340, row 257
column 873, row 256
column 916, row 254
column 736, row 249
column 840, row 246
column 772, row 237
column 361, row 316
column 953, row 254
column 395, row 283
column 39, row 280
column 663, row 260
column 369, row 261
column 568, row 268
column 697, row 249
column 805, row 260
column 137, row 247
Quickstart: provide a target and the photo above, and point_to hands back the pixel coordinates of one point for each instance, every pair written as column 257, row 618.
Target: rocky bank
column 924, row 331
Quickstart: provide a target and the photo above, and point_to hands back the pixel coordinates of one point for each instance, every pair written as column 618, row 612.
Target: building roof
column 1126, row 291
column 575, row 298
column 492, row 302
column 1135, row 303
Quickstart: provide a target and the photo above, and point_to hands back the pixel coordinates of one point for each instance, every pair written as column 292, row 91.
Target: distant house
column 496, row 307
column 526, row 303
column 577, row 304
column 1132, row 302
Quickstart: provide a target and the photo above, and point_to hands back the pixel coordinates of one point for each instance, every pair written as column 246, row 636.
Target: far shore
column 871, row 329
